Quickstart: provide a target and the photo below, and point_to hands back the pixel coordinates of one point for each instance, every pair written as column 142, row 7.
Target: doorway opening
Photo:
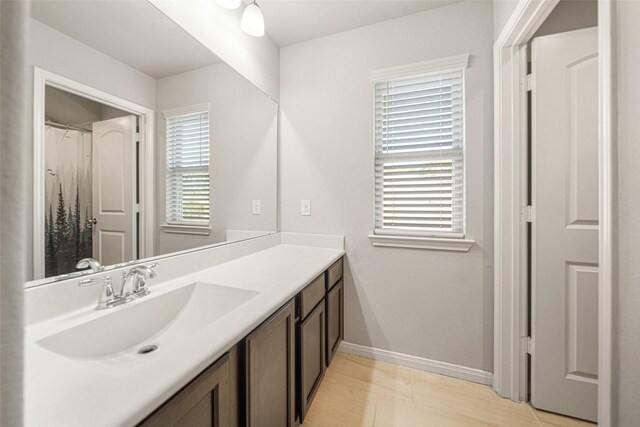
column 79, row 166
column 93, row 177
column 580, row 192
column 562, row 224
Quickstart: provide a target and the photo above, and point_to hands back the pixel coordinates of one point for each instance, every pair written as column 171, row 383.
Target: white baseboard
column 433, row 366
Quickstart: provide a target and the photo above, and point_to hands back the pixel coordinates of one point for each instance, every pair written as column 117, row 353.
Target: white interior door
column 565, row 228
column 113, row 190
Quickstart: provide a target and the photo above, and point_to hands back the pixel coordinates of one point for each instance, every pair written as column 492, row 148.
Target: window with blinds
column 419, row 155
column 187, row 167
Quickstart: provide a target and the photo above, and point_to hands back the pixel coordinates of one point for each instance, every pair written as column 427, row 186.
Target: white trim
column 607, row 117
column 434, row 366
column 38, row 174
column 146, row 233
column 420, row 68
column 510, row 255
column 202, row 230
column 191, row 109
column 414, row 242
column 415, row 233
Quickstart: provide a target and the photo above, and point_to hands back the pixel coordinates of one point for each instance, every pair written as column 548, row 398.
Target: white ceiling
column 293, row 21
column 138, row 34
column 131, row 31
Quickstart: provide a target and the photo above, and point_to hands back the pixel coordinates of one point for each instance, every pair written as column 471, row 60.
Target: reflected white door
column 113, row 190
column 565, row 227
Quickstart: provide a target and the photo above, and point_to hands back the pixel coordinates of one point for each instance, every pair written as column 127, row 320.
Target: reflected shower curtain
column 67, row 199
column 14, row 149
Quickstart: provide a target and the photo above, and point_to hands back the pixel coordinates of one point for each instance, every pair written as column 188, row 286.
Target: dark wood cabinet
column 236, row 385
column 335, row 319
column 204, row 402
column 311, row 344
column 270, row 376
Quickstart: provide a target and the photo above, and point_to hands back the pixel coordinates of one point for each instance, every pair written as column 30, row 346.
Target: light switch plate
column 256, row 207
column 305, row 207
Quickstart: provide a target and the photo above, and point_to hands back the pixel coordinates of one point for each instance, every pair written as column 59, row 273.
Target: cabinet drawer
column 335, row 273
column 311, row 296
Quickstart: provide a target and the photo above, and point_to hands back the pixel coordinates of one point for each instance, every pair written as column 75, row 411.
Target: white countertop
column 61, row 391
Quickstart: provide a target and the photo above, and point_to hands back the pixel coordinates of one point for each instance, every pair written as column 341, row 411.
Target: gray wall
column 431, row 304
column 256, row 58
column 502, row 10
column 570, row 15
column 627, row 312
column 243, row 156
column 69, row 109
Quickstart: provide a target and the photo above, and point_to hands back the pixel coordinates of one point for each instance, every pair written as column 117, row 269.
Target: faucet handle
column 107, row 297
column 146, row 272
column 139, row 274
column 91, row 263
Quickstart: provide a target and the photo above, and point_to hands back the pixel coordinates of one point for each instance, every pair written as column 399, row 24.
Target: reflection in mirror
column 89, row 159
column 145, row 142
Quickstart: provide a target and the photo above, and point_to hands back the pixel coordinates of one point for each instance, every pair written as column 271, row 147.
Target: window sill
column 430, row 243
column 201, row 230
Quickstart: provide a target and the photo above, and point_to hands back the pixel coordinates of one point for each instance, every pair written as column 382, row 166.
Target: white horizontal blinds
column 188, row 167
column 419, row 170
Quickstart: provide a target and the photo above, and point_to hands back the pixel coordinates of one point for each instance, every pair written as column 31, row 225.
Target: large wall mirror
column 145, row 142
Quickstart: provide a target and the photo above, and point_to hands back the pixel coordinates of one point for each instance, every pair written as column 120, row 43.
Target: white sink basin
column 153, row 319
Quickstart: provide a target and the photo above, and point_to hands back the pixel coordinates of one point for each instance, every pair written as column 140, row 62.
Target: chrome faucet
column 91, row 263
column 137, row 277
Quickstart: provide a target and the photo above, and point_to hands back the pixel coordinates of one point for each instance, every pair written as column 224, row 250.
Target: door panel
column 270, row 361
column 565, row 229
column 112, row 246
column 335, row 319
column 583, row 141
column 311, row 336
column 113, row 189
column 582, row 321
column 204, row 402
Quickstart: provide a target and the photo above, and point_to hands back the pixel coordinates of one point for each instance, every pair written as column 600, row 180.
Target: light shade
column 252, row 21
column 229, row 4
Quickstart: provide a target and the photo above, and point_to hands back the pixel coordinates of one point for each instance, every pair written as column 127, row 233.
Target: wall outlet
column 256, row 207
column 305, row 207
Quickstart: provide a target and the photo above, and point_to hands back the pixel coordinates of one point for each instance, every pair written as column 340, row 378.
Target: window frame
column 428, row 239
column 186, row 227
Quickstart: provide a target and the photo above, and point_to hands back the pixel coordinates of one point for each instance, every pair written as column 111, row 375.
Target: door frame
column 146, row 167
column 510, row 186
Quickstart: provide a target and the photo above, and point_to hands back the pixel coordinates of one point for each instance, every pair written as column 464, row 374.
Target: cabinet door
column 204, row 402
column 335, row 319
column 270, row 359
column 311, row 337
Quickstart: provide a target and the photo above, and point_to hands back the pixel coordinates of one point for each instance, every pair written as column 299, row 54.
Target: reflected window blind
column 419, row 156
column 188, row 168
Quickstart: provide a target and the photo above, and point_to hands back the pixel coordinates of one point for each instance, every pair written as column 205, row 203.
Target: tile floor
column 361, row 392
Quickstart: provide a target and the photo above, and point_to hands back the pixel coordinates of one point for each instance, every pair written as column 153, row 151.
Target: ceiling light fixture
column 229, row 4
column 252, row 21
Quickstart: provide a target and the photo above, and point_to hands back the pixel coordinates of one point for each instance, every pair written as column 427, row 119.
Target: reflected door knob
column 94, row 221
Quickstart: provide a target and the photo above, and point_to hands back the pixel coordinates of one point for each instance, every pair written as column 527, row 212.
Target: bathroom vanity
column 270, row 377
column 244, row 334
